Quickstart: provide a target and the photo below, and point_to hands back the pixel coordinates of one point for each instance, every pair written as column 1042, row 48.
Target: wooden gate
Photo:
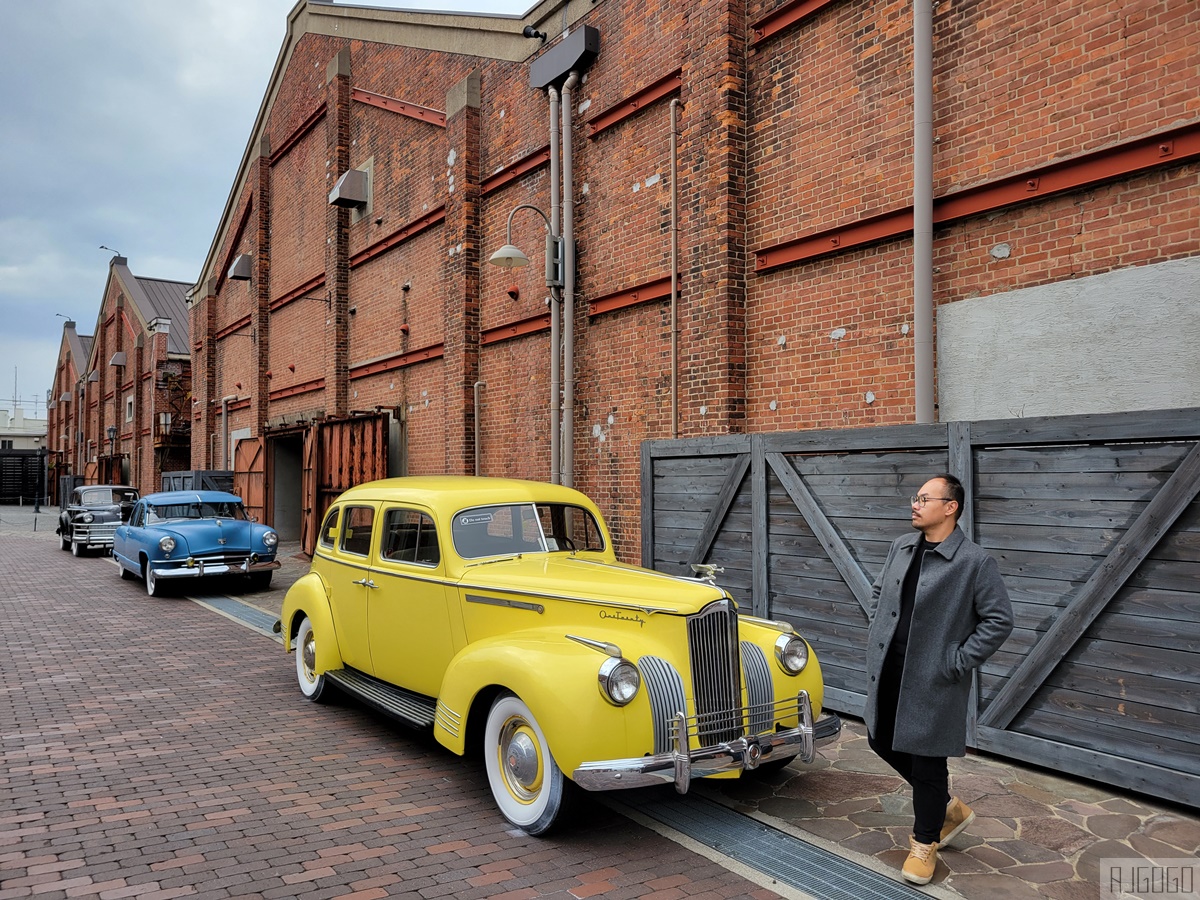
column 249, row 477
column 1094, row 521
column 339, row 454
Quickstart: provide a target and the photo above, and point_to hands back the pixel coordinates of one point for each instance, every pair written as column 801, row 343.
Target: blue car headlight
column 270, row 539
column 166, row 544
column 86, row 518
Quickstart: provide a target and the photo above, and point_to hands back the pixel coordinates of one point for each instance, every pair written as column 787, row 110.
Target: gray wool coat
column 960, row 617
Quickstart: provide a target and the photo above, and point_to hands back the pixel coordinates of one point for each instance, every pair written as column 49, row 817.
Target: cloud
column 123, row 124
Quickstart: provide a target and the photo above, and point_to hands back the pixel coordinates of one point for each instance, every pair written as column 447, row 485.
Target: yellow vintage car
column 495, row 612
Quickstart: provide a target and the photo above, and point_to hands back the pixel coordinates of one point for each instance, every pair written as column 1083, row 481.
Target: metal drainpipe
column 568, row 235
column 225, row 431
column 674, row 270
column 923, row 208
column 555, row 302
column 478, row 386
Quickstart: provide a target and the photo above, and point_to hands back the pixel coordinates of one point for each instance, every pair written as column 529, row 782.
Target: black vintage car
column 91, row 516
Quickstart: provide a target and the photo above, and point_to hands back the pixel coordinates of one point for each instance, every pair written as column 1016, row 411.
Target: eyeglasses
column 919, row 500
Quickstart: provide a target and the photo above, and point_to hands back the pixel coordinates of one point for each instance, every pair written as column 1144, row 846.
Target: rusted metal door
column 310, row 518
column 338, row 455
column 249, row 480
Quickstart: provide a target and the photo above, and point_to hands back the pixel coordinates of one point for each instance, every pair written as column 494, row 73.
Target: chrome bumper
column 681, row 765
column 200, row 568
column 94, row 535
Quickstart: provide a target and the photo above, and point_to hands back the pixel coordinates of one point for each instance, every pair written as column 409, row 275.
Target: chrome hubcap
column 521, row 760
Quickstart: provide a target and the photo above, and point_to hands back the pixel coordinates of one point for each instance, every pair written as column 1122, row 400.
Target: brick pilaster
column 461, row 290
column 337, row 229
column 260, row 310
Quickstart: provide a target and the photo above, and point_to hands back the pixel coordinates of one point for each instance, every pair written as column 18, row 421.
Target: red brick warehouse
column 347, row 323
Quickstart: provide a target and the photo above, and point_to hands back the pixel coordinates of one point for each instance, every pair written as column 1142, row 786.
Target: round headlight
column 86, row 518
column 619, row 680
column 166, row 544
column 791, row 653
column 270, row 539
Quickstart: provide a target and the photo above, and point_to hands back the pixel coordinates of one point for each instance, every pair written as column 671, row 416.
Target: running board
column 410, row 708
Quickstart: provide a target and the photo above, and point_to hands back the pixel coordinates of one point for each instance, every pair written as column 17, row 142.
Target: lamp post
column 510, row 257
column 112, row 452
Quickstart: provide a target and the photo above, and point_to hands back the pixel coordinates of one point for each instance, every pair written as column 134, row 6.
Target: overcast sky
column 122, row 124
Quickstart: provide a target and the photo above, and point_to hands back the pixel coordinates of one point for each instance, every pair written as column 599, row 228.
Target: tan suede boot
column 922, row 860
column 958, row 817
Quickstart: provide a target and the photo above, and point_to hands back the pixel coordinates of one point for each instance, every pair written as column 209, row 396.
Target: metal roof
column 167, row 300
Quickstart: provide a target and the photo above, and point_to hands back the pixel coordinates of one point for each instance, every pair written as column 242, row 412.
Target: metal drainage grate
column 794, row 862
column 258, row 619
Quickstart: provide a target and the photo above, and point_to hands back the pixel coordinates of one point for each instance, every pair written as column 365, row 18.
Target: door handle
column 366, row 582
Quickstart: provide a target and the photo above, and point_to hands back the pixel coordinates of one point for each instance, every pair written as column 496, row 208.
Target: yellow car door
column 408, row 616
column 348, row 570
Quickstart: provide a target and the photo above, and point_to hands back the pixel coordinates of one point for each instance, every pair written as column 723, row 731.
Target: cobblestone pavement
column 202, row 774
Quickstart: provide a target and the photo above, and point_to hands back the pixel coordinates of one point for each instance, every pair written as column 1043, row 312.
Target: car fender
column 557, row 679
column 308, row 597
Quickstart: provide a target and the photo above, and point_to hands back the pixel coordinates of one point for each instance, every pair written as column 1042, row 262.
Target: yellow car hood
column 560, row 575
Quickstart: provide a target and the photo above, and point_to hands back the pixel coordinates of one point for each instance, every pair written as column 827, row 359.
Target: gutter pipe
column 555, row 301
column 568, row 240
column 923, row 209
column 674, row 269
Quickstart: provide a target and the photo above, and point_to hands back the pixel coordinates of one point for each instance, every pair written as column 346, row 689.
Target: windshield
column 519, row 528
column 194, row 510
column 105, row 497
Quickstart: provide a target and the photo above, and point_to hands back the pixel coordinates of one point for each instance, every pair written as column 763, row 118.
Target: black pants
column 927, row 775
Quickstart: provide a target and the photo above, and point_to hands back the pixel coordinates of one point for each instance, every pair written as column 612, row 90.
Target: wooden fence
column 1094, row 521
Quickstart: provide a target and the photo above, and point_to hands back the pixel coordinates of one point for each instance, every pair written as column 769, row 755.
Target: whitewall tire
column 526, row 782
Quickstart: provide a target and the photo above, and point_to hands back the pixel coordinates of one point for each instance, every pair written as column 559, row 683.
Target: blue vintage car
column 193, row 534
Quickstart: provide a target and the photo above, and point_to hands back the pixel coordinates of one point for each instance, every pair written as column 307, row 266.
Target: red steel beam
column 412, row 229
column 666, row 85
column 297, row 292
column 391, row 104
column 784, row 17
column 397, row 361
column 294, row 138
column 512, row 172
column 304, row 388
column 1168, row 148
column 532, row 325
column 643, row 293
column 231, row 328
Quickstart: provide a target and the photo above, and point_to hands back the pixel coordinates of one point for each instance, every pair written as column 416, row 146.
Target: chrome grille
column 759, row 691
column 664, row 687
column 716, row 673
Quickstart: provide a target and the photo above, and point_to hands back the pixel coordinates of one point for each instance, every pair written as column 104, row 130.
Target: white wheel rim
column 518, row 762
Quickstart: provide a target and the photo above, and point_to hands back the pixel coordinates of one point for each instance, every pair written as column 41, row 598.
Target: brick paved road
column 151, row 748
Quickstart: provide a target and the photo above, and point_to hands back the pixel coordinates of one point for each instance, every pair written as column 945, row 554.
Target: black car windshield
column 194, row 510
column 521, row 528
column 104, row 497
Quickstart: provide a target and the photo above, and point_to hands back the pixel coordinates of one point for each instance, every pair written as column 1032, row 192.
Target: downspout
column 923, row 208
column 568, row 239
column 674, row 270
column 225, row 430
column 555, row 302
column 478, row 386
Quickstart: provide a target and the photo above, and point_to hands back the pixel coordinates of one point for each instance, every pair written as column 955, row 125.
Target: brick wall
column 805, row 131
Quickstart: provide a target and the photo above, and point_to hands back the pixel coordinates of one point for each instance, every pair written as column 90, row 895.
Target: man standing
column 941, row 609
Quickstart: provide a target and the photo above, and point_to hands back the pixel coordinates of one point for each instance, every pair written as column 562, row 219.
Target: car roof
column 166, row 497
column 459, row 491
column 102, row 487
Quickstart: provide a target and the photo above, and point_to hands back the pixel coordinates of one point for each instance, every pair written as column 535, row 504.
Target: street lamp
column 510, row 257
column 112, row 452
